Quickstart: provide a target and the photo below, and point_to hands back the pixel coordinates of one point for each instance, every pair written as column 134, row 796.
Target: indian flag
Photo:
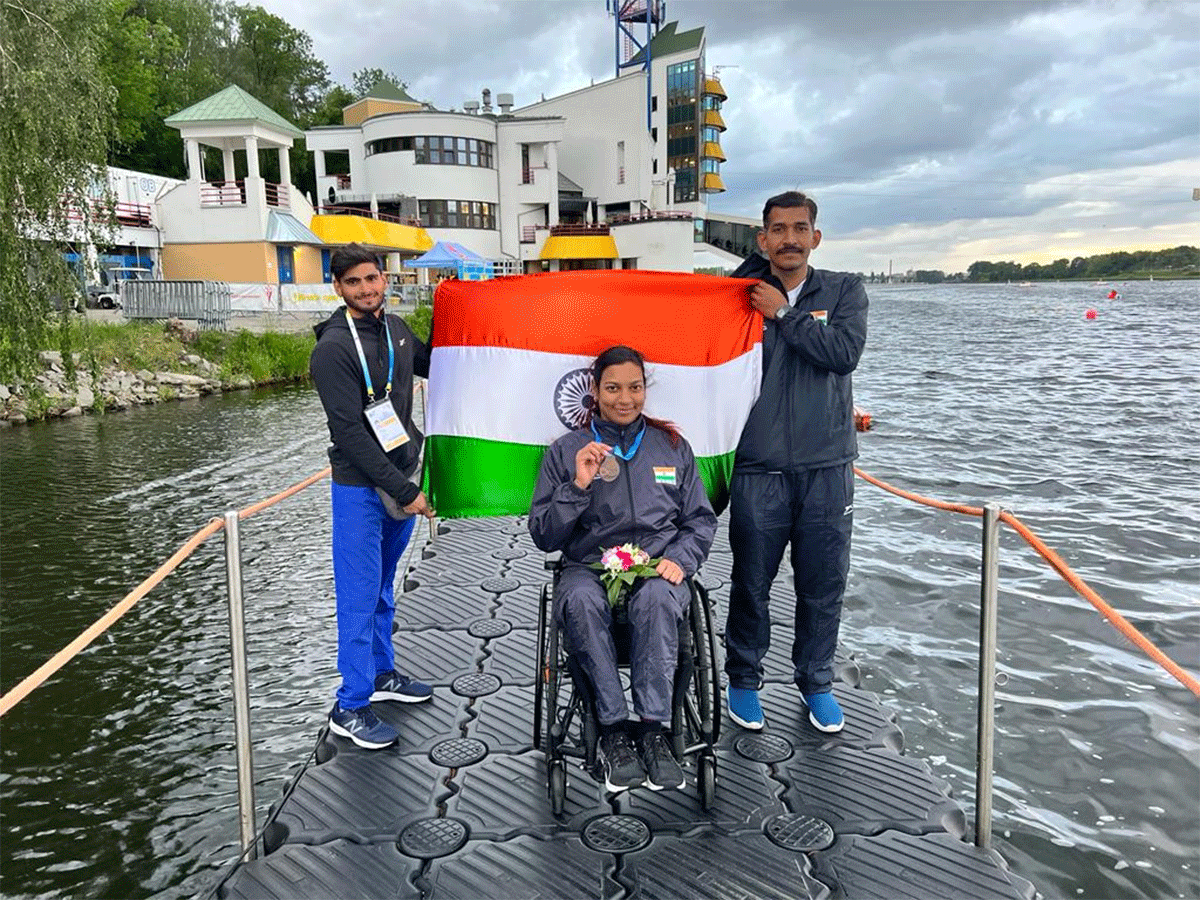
column 510, row 373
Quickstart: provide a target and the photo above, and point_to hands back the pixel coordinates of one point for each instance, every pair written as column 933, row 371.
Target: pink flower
column 625, row 558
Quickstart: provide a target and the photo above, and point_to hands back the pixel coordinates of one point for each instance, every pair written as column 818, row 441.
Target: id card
column 386, row 425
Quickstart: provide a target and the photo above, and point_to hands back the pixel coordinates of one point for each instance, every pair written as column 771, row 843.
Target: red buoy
column 1090, row 314
column 1114, row 295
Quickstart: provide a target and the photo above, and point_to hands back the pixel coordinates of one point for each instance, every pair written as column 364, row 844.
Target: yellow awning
column 712, row 86
column 713, row 118
column 711, row 183
column 579, row 246
column 370, row 232
column 712, row 150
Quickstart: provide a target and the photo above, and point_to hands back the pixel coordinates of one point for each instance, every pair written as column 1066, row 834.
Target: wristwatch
column 782, row 311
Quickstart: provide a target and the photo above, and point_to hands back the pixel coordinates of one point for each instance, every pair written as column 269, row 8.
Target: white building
column 613, row 175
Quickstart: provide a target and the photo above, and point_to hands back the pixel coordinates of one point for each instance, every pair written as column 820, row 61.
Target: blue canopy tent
column 469, row 265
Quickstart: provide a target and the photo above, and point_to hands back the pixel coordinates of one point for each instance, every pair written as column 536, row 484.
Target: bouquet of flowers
column 619, row 566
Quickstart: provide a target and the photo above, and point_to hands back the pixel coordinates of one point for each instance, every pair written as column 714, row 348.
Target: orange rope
column 1056, row 562
column 282, row 495
column 1119, row 621
column 97, row 628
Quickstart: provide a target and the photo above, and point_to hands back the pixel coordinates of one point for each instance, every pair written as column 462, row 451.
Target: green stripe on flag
column 716, row 472
column 469, row 477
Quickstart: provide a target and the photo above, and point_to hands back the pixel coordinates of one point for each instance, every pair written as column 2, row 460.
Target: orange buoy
column 862, row 419
column 1090, row 314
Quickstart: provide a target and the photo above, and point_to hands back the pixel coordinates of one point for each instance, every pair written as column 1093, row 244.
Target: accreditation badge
column 386, row 424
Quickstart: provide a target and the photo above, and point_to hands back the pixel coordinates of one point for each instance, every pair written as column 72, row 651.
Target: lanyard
column 628, row 454
column 362, row 358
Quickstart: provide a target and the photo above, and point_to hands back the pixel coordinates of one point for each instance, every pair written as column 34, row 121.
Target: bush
column 420, row 321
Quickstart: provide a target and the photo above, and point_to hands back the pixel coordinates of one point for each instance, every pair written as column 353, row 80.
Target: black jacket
column 355, row 454
column 657, row 500
column 804, row 415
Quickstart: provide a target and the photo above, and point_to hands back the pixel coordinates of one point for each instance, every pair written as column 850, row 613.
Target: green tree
column 275, row 62
column 56, row 122
column 365, row 79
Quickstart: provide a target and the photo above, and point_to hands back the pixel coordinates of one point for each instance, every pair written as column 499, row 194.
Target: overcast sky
column 932, row 134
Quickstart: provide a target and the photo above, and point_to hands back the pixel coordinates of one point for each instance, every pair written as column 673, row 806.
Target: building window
column 654, row 103
column 438, row 150
column 683, row 128
column 389, row 145
column 620, row 162
column 458, row 214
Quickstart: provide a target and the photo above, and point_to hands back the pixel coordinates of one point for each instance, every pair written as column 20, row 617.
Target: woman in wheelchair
column 624, row 478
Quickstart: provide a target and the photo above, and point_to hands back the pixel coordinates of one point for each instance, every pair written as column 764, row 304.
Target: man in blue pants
column 793, row 477
column 363, row 367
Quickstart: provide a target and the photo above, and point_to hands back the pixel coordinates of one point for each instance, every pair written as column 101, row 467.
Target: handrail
column 35, row 680
column 1056, row 562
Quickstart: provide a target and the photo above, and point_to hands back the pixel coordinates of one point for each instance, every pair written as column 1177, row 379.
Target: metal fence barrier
column 207, row 302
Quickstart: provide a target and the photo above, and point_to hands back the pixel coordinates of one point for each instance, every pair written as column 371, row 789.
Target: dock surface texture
column 459, row 807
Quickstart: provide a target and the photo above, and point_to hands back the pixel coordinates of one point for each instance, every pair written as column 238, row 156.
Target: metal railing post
column 985, row 732
column 241, row 690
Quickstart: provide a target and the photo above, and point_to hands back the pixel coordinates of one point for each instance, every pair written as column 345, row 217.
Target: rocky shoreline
column 52, row 395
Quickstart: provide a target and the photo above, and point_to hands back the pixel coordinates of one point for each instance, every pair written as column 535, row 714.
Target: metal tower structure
column 628, row 15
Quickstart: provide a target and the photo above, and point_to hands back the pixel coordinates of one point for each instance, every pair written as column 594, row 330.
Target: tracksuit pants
column 656, row 609
column 813, row 510
column 367, row 546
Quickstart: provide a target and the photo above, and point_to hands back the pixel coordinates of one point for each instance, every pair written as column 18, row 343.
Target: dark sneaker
column 824, row 712
column 363, row 727
column 662, row 771
column 394, row 686
column 744, row 707
column 622, row 769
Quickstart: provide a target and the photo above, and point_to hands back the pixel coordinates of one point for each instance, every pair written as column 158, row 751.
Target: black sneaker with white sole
column 622, row 770
column 662, row 769
column 362, row 727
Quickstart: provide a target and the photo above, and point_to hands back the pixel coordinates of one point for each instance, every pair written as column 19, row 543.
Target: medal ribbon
column 633, row 448
column 362, row 358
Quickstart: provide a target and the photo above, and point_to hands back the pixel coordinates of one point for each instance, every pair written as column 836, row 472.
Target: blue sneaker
column 394, row 686
column 744, row 707
column 362, row 726
column 823, row 711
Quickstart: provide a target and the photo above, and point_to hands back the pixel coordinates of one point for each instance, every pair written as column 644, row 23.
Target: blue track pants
column 367, row 546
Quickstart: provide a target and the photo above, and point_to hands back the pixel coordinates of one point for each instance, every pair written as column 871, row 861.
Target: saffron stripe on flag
column 668, row 317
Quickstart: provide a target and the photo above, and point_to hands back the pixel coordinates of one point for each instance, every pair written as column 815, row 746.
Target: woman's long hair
column 614, row 356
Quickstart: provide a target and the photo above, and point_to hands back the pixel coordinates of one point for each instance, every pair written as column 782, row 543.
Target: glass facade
column 439, row 150
column 683, row 127
column 458, row 214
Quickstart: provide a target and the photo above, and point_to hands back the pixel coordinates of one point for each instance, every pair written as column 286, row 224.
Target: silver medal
column 610, row 468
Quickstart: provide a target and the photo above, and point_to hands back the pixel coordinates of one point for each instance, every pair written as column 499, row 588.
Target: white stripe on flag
column 499, row 394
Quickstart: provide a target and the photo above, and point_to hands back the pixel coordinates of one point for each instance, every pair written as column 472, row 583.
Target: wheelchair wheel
column 709, row 680
column 542, row 665
column 550, row 681
column 556, row 786
column 706, row 779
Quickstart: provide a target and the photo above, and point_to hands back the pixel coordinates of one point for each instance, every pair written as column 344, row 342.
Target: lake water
column 117, row 778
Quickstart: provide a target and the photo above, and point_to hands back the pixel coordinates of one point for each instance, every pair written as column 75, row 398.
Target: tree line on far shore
column 1176, row 262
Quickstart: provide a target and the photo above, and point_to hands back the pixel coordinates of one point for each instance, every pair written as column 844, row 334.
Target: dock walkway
column 459, row 808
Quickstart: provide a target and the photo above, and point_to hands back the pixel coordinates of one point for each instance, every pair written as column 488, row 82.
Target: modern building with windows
column 613, row 175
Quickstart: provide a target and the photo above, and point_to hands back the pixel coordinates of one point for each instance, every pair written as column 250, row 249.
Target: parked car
column 107, row 294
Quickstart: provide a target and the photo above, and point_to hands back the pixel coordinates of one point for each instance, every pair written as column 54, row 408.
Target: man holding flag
column 793, row 478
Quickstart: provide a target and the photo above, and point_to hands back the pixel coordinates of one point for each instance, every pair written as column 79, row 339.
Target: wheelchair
column 564, row 718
